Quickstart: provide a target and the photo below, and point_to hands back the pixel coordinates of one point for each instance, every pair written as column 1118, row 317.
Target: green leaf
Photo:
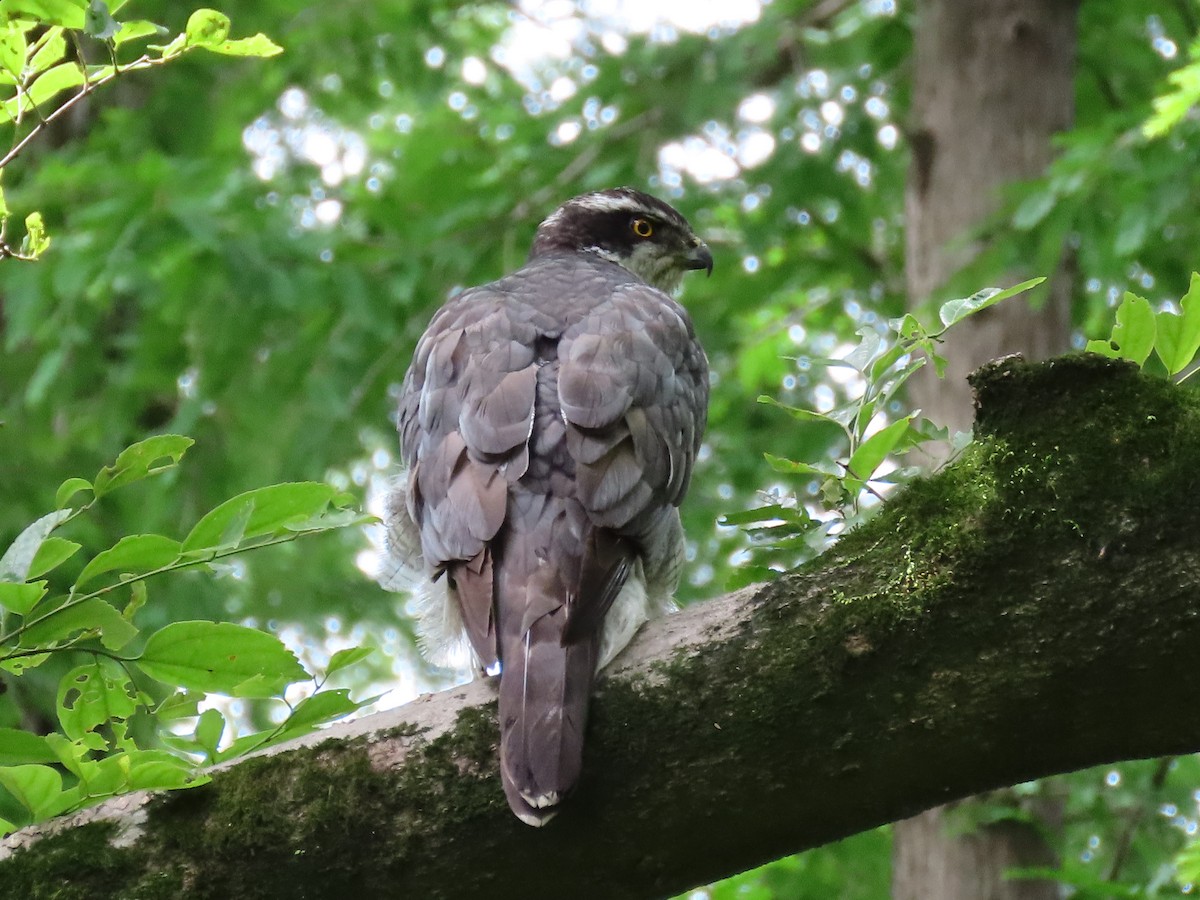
column 141, row 460
column 892, row 384
column 248, row 743
column 21, row 598
column 69, row 489
column 157, row 770
column 1171, row 108
column 322, row 707
column 220, row 657
column 791, row 467
column 206, row 27
column 180, row 705
column 792, row 515
column 92, row 615
column 135, row 553
column 209, row 729
column 13, row 48
column 887, row 360
column 18, row 558
column 258, row 45
column 264, row 511
column 53, row 553
column 93, row 695
column 72, row 755
column 137, row 599
column 48, row 85
column 1033, row 209
column 799, row 413
column 68, row 13
column 21, row 747
column 51, row 48
column 1133, row 334
column 1132, row 227
column 908, row 327
column 870, row 342
column 1178, row 337
column 832, row 424
column 18, row 664
column 874, row 450
column 343, row 659
column 1187, row 864
column 176, row 46
column 136, row 29
column 105, row 777
column 98, row 22
column 957, row 310
column 37, row 788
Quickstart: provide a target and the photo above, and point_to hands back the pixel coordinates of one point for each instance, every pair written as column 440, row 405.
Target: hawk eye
column 642, row 228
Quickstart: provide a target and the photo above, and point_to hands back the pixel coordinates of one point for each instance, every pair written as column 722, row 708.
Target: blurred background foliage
column 246, row 251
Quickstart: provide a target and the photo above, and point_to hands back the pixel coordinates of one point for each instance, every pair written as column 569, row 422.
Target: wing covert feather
column 466, row 415
column 634, row 391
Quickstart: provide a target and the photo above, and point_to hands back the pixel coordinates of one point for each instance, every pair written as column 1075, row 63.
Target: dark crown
column 601, row 219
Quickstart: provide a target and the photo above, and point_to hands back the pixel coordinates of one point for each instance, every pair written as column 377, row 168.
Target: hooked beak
column 699, row 257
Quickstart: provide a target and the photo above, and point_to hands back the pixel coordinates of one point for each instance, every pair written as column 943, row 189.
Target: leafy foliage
column 56, row 617
column 1138, row 331
column 785, row 531
column 1172, row 107
column 42, row 57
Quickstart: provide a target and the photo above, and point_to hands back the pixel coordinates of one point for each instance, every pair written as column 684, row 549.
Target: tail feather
column 544, row 691
column 545, row 678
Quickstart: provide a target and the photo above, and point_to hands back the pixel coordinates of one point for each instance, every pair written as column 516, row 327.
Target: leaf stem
column 170, row 567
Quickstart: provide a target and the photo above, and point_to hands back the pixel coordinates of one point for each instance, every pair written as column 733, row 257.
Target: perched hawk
column 548, row 424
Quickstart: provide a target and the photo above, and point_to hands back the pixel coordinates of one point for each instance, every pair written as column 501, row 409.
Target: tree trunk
column 993, row 83
column 1006, row 619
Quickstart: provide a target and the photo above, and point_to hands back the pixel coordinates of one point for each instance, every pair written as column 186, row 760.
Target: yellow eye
column 642, row 228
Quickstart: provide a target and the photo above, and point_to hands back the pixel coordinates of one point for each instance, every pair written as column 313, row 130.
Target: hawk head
column 637, row 231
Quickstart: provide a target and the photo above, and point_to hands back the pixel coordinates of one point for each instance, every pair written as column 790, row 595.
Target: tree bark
column 993, row 83
column 1019, row 614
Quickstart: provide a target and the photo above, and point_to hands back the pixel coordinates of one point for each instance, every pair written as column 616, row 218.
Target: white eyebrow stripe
column 603, row 203
column 620, row 200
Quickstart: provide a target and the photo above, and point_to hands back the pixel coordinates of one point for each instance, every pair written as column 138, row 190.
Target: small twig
column 176, row 565
column 37, row 129
column 23, row 93
column 144, row 62
column 870, row 490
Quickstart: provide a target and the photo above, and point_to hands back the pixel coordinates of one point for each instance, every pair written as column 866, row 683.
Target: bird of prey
column 548, row 425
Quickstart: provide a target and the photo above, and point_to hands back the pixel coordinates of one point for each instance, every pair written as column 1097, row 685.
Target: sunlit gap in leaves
column 722, row 152
column 297, row 133
column 1163, row 45
column 550, row 45
column 545, row 31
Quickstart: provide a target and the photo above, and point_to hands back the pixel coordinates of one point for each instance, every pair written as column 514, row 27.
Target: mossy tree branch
column 1030, row 610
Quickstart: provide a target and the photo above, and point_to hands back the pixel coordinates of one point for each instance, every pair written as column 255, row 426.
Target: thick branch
column 1031, row 610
